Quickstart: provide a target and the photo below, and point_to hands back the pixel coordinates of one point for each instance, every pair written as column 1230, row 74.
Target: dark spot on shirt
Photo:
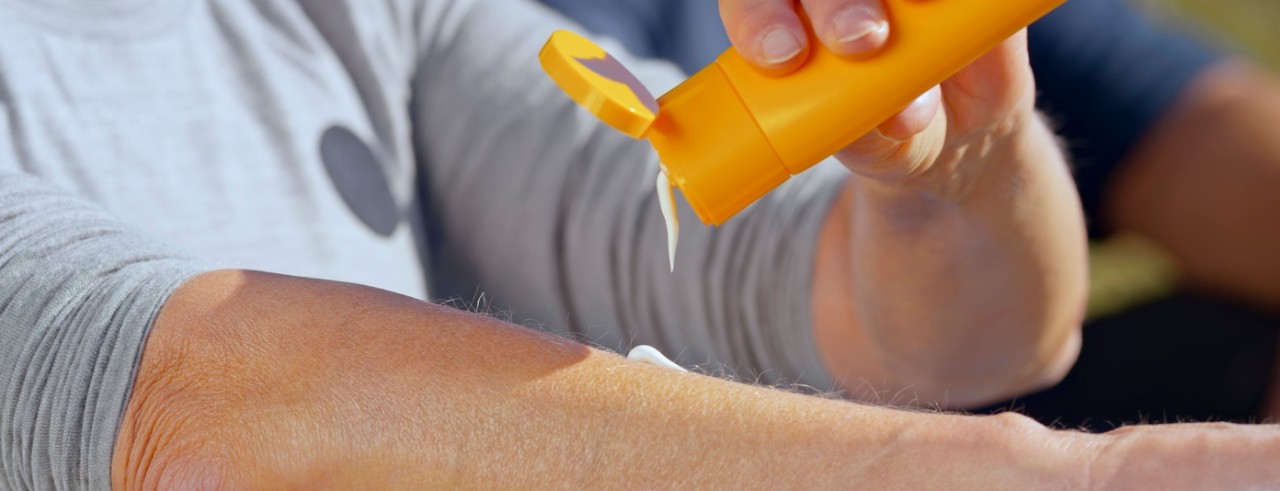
column 358, row 175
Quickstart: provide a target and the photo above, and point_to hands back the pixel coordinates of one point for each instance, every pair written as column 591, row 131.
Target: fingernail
column 859, row 30
column 779, row 46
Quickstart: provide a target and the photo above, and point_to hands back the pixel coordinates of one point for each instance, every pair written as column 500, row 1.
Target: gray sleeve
column 78, row 293
column 552, row 216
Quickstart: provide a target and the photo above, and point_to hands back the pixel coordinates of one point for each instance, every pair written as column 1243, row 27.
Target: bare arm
column 956, row 301
column 253, row 381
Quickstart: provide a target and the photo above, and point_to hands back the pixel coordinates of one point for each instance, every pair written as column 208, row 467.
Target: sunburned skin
column 667, row 203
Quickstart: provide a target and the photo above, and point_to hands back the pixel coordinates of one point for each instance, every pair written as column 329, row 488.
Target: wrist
column 1005, row 451
column 1035, row 456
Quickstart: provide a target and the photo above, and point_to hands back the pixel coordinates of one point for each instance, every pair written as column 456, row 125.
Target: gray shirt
column 145, row 141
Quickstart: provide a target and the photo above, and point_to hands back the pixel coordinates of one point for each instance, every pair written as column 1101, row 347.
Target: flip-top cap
column 597, row 81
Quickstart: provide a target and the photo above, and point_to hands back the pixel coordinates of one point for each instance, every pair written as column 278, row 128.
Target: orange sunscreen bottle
column 730, row 134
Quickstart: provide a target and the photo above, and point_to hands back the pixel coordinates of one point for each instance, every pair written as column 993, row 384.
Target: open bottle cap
column 597, row 81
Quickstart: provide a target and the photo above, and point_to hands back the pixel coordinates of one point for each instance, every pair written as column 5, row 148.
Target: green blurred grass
column 1250, row 27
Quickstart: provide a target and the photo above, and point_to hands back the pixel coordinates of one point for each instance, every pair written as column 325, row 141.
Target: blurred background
column 1127, row 271
column 1249, row 26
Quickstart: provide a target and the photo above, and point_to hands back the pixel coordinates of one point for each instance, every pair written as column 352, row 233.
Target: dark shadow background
column 1187, row 357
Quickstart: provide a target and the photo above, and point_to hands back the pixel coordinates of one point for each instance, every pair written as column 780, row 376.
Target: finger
column 850, row 28
column 768, row 33
column 874, row 153
column 915, row 118
column 997, row 84
column 903, row 145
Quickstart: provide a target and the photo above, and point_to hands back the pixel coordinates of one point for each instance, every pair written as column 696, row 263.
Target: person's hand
column 964, row 121
column 965, row 185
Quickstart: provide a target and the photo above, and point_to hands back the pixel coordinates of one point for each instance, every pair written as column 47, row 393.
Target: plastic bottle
column 730, row 134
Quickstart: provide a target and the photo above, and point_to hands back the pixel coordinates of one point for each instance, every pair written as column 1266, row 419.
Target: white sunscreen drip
column 650, row 355
column 667, row 202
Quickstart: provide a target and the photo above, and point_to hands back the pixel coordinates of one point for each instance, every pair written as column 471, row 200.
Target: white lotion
column 667, row 202
column 651, row 355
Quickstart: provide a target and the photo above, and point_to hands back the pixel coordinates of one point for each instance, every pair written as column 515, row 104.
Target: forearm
column 965, row 290
column 1205, row 183
column 258, row 381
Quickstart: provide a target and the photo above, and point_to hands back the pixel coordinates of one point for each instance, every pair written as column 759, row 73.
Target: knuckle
column 751, row 16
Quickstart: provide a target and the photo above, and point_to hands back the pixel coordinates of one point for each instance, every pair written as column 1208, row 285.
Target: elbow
column 1046, row 369
column 969, row 358
column 985, row 370
column 986, row 377
column 1008, row 356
